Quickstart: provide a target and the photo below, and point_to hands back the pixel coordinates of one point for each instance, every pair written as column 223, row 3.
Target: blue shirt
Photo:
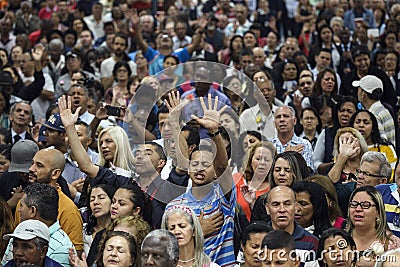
column 391, row 199
column 156, row 59
column 59, row 245
column 47, row 263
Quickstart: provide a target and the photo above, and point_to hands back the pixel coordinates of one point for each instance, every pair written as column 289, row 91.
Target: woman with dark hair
column 6, row 224
column 325, row 40
column 246, row 141
column 286, row 83
column 287, row 169
column 235, row 47
column 335, row 214
column 233, row 90
column 341, row 115
column 327, row 84
column 3, row 57
column 312, row 208
column 5, row 157
column 128, row 200
column 170, row 64
column 365, row 122
column 99, row 217
column 119, row 95
column 336, row 247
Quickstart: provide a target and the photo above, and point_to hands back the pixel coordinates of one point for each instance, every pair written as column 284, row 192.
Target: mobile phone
column 113, row 111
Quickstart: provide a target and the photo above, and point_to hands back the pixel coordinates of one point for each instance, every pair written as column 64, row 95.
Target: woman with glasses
column 310, row 122
column 367, row 222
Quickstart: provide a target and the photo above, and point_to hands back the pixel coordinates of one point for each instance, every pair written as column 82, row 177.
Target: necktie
column 17, row 138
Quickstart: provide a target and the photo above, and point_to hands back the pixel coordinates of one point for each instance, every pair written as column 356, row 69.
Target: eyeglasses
column 358, row 172
column 363, row 204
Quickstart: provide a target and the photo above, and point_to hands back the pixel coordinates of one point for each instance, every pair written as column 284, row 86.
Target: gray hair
column 377, row 157
column 290, row 108
column 165, row 235
column 338, row 19
column 144, row 16
column 56, row 42
column 40, row 242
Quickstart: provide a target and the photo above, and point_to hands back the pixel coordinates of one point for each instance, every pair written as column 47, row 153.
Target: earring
column 378, row 220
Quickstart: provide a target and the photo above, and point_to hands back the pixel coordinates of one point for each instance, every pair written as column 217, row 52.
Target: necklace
column 186, row 261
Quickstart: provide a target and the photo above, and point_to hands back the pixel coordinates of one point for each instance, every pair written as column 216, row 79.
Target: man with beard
column 119, row 45
column 47, row 167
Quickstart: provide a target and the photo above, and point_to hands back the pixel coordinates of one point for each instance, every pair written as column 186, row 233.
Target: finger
column 194, row 117
column 210, row 107
column 83, row 256
column 222, row 109
column 203, row 105
column 201, row 214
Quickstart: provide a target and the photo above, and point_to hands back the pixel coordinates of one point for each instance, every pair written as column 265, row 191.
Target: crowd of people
column 199, row 133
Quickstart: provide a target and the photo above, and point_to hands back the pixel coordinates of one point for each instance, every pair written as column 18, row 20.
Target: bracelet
column 213, row 134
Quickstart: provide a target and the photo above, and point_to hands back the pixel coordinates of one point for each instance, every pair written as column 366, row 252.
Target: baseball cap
column 22, row 154
column 72, row 54
column 30, row 229
column 369, row 83
column 54, row 122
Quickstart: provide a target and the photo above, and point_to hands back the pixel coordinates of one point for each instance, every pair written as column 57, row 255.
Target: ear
column 55, row 174
column 89, row 141
column 33, row 212
column 136, row 211
column 267, row 209
column 384, row 181
column 161, row 164
column 43, row 252
column 294, row 120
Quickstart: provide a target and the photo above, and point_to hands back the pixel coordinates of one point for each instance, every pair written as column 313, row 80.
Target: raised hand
column 75, row 261
column 210, row 120
column 37, row 52
column 68, row 119
column 175, row 107
column 349, row 146
column 249, row 194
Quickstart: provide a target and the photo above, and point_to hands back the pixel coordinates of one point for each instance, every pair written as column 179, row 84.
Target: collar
column 54, row 227
column 207, row 198
column 23, row 134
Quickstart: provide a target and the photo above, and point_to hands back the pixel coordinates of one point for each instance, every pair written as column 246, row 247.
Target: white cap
column 369, row 83
column 30, row 229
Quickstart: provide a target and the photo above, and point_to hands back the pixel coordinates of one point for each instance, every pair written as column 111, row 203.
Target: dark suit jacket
column 8, row 137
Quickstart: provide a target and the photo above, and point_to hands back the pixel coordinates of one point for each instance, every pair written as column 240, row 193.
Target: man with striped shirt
column 208, row 195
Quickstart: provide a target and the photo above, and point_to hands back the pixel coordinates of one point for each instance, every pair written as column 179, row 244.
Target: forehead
column 283, row 111
column 281, row 195
column 42, row 156
column 202, row 155
column 306, row 79
column 119, row 40
column 155, row 244
column 23, row 106
column 363, row 115
column 77, row 89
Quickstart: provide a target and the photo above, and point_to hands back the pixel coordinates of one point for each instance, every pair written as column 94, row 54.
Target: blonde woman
column 183, row 223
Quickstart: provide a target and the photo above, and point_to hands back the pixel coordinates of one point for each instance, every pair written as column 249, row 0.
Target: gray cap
column 30, row 229
column 22, row 154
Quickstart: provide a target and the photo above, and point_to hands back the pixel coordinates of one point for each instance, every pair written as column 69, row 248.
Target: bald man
column 281, row 205
column 47, row 167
